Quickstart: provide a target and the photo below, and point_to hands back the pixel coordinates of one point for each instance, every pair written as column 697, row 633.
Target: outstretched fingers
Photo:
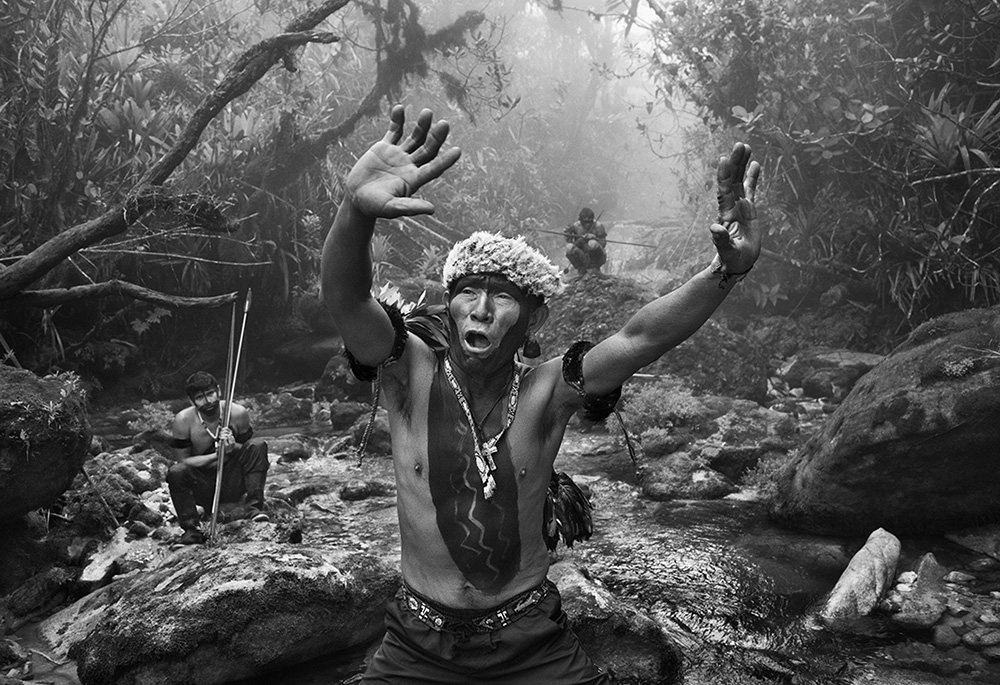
column 419, row 133
column 731, row 173
column 750, row 182
column 397, row 167
column 397, row 117
column 430, row 142
column 438, row 164
column 430, row 160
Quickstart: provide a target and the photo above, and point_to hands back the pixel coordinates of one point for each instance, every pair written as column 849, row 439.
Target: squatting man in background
column 474, row 433
column 587, row 243
column 196, row 434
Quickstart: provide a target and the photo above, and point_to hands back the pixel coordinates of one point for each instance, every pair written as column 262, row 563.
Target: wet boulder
column 158, row 439
column 281, row 409
column 919, row 603
column 45, row 438
column 913, row 447
column 216, row 615
column 827, row 372
column 293, row 447
column 37, row 595
column 618, row 637
column 681, row 476
column 344, row 413
column 700, row 447
column 114, row 489
column 374, row 436
column 863, row 583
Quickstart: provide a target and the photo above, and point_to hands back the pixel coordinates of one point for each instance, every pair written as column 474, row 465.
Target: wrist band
column 726, row 276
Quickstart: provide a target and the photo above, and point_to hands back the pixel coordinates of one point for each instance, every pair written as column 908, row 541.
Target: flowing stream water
column 715, row 570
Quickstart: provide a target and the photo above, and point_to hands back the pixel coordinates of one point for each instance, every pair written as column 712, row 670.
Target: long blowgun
column 617, row 242
column 230, row 390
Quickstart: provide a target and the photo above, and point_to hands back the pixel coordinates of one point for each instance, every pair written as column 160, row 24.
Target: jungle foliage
column 186, row 169
column 878, row 123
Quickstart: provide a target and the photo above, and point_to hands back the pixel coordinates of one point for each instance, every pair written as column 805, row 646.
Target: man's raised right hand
column 384, row 179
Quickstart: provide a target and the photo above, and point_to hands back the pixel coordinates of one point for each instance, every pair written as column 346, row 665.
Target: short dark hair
column 200, row 381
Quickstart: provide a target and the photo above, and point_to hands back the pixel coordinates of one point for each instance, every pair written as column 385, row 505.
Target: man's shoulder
column 184, row 419
column 239, row 409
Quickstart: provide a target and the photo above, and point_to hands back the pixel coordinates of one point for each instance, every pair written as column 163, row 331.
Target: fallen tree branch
column 248, row 68
column 56, row 296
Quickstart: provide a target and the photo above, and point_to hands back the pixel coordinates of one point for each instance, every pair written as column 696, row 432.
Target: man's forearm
column 202, row 460
column 346, row 267
column 655, row 329
column 346, row 283
column 671, row 319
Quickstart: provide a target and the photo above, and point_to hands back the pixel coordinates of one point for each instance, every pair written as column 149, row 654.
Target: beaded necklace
column 484, row 449
column 215, row 435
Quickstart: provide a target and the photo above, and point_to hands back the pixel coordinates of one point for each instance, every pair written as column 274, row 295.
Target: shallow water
column 717, row 570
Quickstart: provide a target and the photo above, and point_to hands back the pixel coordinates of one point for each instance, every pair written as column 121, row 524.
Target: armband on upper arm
column 594, row 408
column 180, row 443
column 364, row 372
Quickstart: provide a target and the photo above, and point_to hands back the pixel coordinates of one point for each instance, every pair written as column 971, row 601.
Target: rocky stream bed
column 688, row 578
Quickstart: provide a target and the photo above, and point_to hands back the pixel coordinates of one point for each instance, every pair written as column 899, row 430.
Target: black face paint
column 504, row 348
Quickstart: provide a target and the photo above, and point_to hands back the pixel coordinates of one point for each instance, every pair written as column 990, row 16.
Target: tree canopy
column 879, row 122
column 151, row 161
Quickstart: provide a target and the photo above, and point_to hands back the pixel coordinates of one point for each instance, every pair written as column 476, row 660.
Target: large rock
column 913, row 447
column 615, row 635
column 827, row 372
column 863, row 583
column 215, row 615
column 705, row 444
column 921, row 605
column 44, row 439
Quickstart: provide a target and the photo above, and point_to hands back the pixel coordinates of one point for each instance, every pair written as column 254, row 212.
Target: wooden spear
column 230, row 389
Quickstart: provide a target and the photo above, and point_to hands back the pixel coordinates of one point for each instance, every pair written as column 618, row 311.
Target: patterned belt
column 494, row 619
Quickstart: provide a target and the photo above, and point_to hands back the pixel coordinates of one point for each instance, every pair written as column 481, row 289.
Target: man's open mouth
column 477, row 341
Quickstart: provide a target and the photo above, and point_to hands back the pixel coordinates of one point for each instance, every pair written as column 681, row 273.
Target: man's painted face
column 490, row 317
column 207, row 401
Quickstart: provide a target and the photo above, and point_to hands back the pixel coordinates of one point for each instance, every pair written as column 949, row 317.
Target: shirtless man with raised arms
column 475, row 433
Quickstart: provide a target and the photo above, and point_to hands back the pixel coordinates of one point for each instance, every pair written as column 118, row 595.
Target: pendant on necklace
column 484, row 450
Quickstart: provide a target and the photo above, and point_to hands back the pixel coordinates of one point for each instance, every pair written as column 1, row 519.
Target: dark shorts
column 250, row 458
column 586, row 258
column 537, row 648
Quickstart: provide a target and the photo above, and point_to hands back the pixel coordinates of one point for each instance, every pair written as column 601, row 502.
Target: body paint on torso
column 482, row 535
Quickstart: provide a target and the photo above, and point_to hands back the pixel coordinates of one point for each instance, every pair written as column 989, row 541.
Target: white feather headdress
column 513, row 258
